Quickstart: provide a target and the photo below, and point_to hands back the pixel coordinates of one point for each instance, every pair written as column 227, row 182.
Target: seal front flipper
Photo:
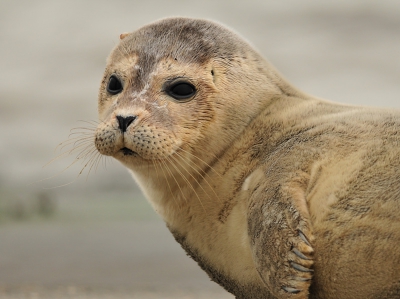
column 281, row 235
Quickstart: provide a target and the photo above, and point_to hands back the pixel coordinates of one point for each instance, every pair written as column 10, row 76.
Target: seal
column 275, row 193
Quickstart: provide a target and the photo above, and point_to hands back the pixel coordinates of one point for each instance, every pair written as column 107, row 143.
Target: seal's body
column 276, row 194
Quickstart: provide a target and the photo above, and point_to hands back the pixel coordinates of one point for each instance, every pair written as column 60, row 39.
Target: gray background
column 97, row 234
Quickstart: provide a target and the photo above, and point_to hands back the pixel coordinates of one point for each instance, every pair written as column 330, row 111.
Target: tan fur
column 276, row 194
column 123, row 35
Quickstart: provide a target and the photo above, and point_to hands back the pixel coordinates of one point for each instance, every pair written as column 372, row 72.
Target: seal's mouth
column 128, row 152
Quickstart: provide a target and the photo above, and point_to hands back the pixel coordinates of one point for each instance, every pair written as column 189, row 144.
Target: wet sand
column 107, row 259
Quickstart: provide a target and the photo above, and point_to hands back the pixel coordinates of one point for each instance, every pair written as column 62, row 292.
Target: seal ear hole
column 181, row 91
column 114, row 85
column 213, row 75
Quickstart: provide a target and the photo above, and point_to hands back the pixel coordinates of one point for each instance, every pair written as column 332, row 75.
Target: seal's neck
column 183, row 179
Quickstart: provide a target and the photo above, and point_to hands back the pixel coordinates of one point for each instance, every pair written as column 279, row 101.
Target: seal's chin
column 128, row 152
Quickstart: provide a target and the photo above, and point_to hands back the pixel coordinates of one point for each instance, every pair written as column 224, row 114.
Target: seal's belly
column 225, row 254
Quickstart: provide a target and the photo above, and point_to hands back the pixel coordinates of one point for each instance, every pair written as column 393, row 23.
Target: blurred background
column 65, row 235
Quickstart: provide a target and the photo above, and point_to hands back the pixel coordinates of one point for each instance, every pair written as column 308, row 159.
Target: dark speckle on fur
column 225, row 211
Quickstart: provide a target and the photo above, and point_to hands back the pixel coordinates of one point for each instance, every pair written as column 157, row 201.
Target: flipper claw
column 301, row 268
column 300, row 254
column 291, row 290
column 304, row 238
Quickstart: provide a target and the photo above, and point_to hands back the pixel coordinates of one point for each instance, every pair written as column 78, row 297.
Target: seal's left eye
column 114, row 85
column 181, row 90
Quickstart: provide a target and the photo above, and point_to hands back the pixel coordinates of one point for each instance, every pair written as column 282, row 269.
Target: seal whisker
column 194, row 156
column 84, row 140
column 201, row 175
column 92, row 157
column 172, row 175
column 84, row 143
column 99, row 161
column 85, row 151
column 72, row 141
column 186, row 180
column 83, row 130
column 91, row 122
column 92, row 154
column 80, row 133
column 63, row 154
column 75, row 138
column 190, row 174
column 156, row 162
column 63, row 170
column 76, row 143
column 95, row 158
column 104, row 161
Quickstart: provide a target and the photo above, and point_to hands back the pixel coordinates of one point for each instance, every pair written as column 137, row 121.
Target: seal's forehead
column 187, row 40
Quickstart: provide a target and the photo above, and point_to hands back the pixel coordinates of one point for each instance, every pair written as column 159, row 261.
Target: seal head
column 170, row 80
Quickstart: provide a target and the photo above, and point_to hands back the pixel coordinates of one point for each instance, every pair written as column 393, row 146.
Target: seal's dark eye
column 114, row 85
column 181, row 90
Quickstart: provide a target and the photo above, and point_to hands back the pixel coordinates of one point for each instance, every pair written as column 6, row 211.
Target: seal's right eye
column 181, row 91
column 114, row 85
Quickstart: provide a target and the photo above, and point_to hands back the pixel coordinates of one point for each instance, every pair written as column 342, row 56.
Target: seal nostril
column 124, row 122
column 129, row 120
